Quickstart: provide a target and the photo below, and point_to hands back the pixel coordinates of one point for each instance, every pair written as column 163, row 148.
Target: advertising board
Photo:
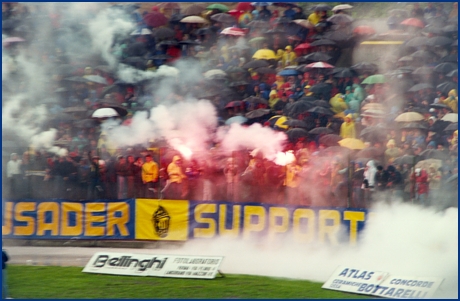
column 132, row 264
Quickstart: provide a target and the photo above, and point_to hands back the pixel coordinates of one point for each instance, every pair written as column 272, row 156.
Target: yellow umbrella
column 278, row 121
column 264, row 54
column 352, row 143
column 409, row 117
column 373, row 106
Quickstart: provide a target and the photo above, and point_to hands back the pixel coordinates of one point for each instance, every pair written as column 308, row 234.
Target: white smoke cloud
column 44, row 139
column 252, row 137
column 402, row 239
column 103, row 29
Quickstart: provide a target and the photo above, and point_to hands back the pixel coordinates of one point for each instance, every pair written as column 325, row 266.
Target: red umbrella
column 234, row 31
column 232, row 104
column 413, row 22
column 303, row 46
column 244, row 6
column 363, row 30
column 319, row 65
column 155, row 19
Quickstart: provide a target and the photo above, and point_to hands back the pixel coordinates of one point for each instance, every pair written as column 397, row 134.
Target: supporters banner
column 179, row 220
column 302, row 224
column 132, row 264
column 162, row 219
column 68, row 219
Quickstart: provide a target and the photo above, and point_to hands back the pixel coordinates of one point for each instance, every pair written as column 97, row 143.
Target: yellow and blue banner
column 178, row 220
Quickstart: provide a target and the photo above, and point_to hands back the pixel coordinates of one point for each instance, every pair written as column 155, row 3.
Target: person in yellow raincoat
column 347, row 129
column 279, row 55
column 314, row 17
column 452, row 100
column 175, row 188
column 338, row 104
column 273, row 98
column 291, row 182
column 289, row 57
column 279, row 82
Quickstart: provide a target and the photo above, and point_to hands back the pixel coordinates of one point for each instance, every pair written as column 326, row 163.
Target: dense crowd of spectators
column 279, row 90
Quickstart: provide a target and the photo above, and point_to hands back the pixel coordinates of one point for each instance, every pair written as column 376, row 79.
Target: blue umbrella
column 236, row 119
column 261, row 3
column 288, row 72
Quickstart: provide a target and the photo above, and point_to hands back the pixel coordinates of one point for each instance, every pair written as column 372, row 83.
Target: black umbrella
column 160, row 57
column 321, row 110
column 168, row 43
column 450, row 29
column 265, row 70
column 223, row 18
column 446, row 87
column 258, row 24
column 307, row 99
column 450, row 58
column 417, row 41
column 343, row 72
column 424, row 70
column 322, row 103
column 330, row 140
column 321, row 130
column 323, row 42
column 136, row 49
column 321, row 88
column 365, row 67
column 299, row 107
column 295, row 123
column 369, row 152
column 433, row 154
column 238, row 83
column 433, row 29
column 406, row 159
column 420, row 86
column 276, row 30
column 451, row 127
column 453, row 73
column 163, row 33
column 235, row 69
column 425, row 55
column 256, row 64
column 296, row 134
column 340, row 19
column 257, row 113
column 254, row 99
column 374, row 133
column 445, row 68
column 414, row 125
column 109, row 89
column 440, row 106
column 316, row 57
column 188, row 42
column 204, row 31
column 439, row 41
column 321, row 7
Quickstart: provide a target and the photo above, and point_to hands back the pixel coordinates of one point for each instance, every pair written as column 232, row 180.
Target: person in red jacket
column 420, row 177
